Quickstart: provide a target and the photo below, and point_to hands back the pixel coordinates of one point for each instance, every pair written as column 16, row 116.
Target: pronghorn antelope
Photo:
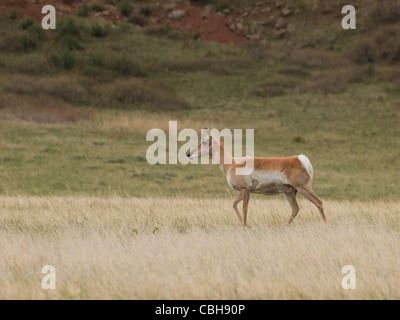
column 270, row 176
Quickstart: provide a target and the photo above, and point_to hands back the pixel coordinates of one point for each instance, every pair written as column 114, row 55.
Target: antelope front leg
column 246, row 197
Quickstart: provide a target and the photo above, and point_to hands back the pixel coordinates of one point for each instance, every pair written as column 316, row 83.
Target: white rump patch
column 306, row 164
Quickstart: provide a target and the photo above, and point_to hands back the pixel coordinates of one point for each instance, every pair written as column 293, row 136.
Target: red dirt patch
column 25, row 8
column 214, row 27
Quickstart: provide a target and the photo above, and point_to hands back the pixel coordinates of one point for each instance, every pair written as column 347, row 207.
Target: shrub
column 294, row 71
column 26, row 23
column 315, row 58
column 360, row 73
column 97, row 59
column 256, row 51
column 65, row 60
column 119, row 63
column 323, row 6
column 69, row 27
column 83, row 10
column 299, row 139
column 326, row 82
column 145, row 10
column 167, row 30
column 71, row 43
column 126, row 8
column 202, row 64
column 388, row 73
column 137, row 20
column 221, row 7
column 202, row 1
column 161, row 31
column 395, row 87
column 32, row 36
column 64, row 88
column 97, row 7
column 13, row 14
column 387, row 11
column 275, row 86
column 38, row 30
column 45, row 110
column 267, row 91
column 124, row 65
column 30, row 64
column 29, row 41
column 138, row 93
column 382, row 47
column 98, row 30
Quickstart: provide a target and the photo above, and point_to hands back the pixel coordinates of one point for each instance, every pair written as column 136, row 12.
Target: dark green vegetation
column 331, row 94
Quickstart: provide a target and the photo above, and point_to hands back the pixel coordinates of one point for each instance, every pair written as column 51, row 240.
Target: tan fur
column 297, row 179
column 291, row 167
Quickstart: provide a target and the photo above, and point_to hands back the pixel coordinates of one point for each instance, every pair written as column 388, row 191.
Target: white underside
column 266, row 177
column 264, row 182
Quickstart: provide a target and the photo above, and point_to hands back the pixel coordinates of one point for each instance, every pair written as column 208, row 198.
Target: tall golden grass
column 185, row 248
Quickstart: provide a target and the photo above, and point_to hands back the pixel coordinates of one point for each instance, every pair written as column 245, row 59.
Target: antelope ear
column 207, row 131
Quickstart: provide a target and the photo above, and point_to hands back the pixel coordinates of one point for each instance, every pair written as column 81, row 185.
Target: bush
column 267, row 91
column 30, row 64
column 257, row 51
column 221, row 7
column 145, row 10
column 169, row 31
column 44, row 110
column 202, row 1
column 137, row 20
column 65, row 60
column 395, row 88
column 83, row 10
column 387, row 11
column 275, row 86
column 32, row 36
column 124, row 65
column 323, row 6
column 69, row 27
column 26, row 23
column 326, row 82
column 98, row 30
column 65, row 88
column 97, row 7
column 315, row 58
column 126, row 8
column 29, row 41
column 294, row 71
column 62, row 87
column 383, row 47
column 138, row 93
column 360, row 73
column 71, row 43
column 13, row 14
column 119, row 63
column 202, row 64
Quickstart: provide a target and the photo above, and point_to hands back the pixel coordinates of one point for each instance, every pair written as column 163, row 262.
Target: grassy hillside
column 76, row 102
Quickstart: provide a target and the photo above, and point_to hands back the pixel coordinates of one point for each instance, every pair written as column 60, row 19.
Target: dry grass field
column 186, row 248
